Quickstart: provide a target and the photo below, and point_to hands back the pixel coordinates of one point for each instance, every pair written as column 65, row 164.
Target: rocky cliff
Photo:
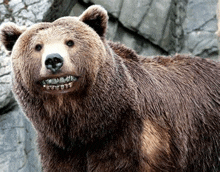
column 162, row 26
column 151, row 27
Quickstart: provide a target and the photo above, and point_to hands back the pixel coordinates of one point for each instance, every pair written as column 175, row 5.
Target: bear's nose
column 54, row 62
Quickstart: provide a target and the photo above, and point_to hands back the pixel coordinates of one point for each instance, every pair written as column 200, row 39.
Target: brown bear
column 99, row 107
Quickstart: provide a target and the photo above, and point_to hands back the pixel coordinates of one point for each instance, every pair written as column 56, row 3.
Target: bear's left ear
column 97, row 18
column 9, row 33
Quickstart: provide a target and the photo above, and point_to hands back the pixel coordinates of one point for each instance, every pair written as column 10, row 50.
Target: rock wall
column 154, row 27
column 151, row 27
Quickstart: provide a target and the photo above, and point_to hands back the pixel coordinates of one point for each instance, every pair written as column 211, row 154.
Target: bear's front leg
column 116, row 156
column 56, row 159
column 114, row 163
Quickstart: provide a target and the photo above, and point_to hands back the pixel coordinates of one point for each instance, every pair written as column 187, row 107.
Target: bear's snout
column 54, row 62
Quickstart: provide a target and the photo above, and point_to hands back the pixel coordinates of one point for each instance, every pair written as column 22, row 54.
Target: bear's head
column 59, row 57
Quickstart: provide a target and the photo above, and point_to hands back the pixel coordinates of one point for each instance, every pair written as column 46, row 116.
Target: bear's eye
column 69, row 43
column 38, row 47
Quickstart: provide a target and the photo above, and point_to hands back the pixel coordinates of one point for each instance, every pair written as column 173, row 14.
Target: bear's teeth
column 67, row 79
column 70, row 84
column 53, row 81
column 73, row 78
column 44, row 83
column 57, row 87
column 59, row 83
column 62, row 87
column 66, row 85
column 47, row 87
column 61, row 80
column 49, row 81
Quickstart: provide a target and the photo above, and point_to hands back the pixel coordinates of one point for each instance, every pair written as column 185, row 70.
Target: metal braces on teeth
column 59, row 83
column 58, row 87
column 61, row 80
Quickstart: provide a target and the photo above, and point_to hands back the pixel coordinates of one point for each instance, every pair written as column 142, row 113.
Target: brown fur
column 125, row 112
column 155, row 141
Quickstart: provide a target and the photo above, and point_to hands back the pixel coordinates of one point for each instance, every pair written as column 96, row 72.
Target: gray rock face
column 200, row 26
column 207, row 44
column 113, row 6
column 17, row 144
column 201, row 15
column 155, row 20
column 133, row 12
column 6, row 97
column 154, row 27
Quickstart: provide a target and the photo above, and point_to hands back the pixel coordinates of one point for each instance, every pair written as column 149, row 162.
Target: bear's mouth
column 60, row 83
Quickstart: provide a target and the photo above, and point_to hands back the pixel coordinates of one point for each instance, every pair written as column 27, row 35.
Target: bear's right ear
column 97, row 18
column 9, row 33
